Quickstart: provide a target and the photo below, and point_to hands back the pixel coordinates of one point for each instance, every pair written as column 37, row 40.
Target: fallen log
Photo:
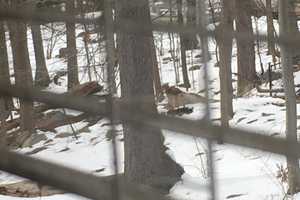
column 54, row 121
column 84, row 89
column 18, row 138
column 49, row 123
column 283, row 97
column 262, row 90
column 11, row 124
column 27, row 189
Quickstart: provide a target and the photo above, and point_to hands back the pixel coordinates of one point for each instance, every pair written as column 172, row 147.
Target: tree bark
column 22, row 69
column 186, row 80
column 270, row 30
column 245, row 48
column 41, row 74
column 190, row 40
column 85, row 38
column 110, row 46
column 146, row 161
column 224, row 42
column 71, row 46
column 156, row 75
column 288, row 29
column 6, row 103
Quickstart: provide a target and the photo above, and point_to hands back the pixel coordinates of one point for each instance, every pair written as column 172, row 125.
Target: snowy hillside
column 242, row 174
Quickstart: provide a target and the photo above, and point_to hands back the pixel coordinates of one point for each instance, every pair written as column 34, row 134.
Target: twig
column 71, row 125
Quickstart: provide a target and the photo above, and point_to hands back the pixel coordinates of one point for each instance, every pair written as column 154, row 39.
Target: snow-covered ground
column 240, row 173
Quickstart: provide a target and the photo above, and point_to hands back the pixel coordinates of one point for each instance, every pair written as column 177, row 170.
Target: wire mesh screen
column 120, row 109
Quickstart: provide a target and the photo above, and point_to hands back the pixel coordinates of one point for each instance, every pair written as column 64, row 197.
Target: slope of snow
column 241, row 173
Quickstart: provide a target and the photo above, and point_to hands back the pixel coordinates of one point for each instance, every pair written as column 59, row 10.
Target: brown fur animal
column 177, row 98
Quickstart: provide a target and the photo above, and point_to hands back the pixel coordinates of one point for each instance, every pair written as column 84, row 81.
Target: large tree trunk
column 71, row 46
column 245, row 48
column 225, row 52
column 288, row 29
column 41, row 74
column 22, row 69
column 186, row 80
column 146, row 161
column 6, row 103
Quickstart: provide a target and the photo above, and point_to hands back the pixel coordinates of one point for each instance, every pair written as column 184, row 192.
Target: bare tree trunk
column 22, row 69
column 110, row 46
column 270, row 30
column 224, row 40
column 6, row 103
column 287, row 29
column 172, row 44
column 71, row 46
column 145, row 159
column 245, row 48
column 41, row 74
column 186, row 80
column 190, row 39
column 156, row 76
column 85, row 38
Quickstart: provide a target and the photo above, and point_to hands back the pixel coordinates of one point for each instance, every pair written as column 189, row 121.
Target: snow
column 241, row 173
